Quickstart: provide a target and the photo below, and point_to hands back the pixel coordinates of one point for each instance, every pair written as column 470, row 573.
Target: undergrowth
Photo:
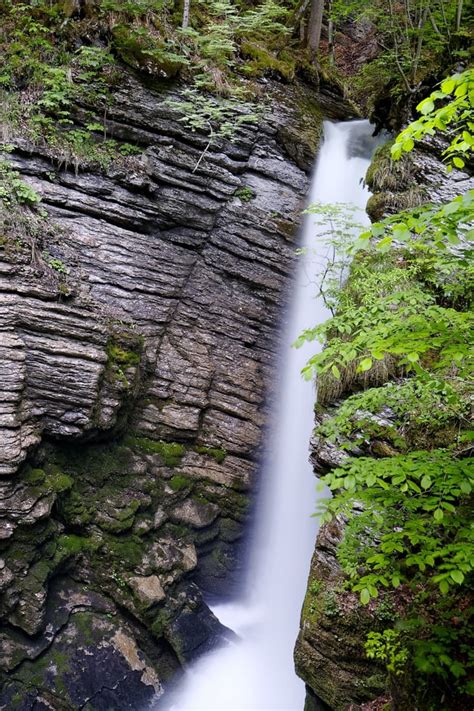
column 408, row 507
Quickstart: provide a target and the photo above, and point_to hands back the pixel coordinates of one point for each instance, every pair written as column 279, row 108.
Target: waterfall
column 256, row 672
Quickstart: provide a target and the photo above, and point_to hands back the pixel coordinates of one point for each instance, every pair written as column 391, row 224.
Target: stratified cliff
column 138, row 327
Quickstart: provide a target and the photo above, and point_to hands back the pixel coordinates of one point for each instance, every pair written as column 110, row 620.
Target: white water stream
column 256, row 672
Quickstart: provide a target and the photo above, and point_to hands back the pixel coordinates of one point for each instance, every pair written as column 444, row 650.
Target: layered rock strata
column 137, row 345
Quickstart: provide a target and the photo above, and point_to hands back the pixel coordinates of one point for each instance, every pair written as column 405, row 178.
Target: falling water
column 256, row 672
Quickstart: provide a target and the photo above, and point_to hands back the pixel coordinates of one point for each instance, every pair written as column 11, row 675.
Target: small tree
column 315, row 27
column 186, row 14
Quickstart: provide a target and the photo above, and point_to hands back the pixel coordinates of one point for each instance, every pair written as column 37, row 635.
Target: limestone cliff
column 137, row 337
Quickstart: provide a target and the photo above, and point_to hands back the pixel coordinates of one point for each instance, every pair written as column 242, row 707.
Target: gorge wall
column 138, row 339
column 330, row 654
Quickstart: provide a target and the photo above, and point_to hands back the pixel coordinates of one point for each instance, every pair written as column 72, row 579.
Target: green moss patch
column 170, row 452
column 216, row 453
column 178, row 482
column 263, row 61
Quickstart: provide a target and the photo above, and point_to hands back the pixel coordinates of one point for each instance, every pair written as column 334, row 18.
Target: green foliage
column 56, row 59
column 417, row 40
column 55, row 263
column 264, row 21
column 14, row 189
column 451, row 223
column 416, row 510
column 178, row 482
column 219, row 118
column 386, row 647
column 412, row 405
column 447, row 651
column 47, row 76
column 395, row 314
column 146, row 50
column 25, row 228
column 145, row 35
column 454, row 115
column 336, row 224
column 406, row 309
column 245, row 193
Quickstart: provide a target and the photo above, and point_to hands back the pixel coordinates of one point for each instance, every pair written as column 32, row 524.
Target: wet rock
column 148, row 589
column 194, row 632
column 329, row 653
column 195, row 513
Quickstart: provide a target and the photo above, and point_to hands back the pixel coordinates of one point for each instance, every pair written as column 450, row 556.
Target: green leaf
column 364, row 596
column 349, row 482
column 336, row 372
column 465, row 487
column 426, row 482
column 452, row 207
column 396, row 151
column 448, row 86
column 444, row 587
column 458, row 162
column 385, row 244
column 364, row 365
column 457, row 576
column 438, row 515
column 426, row 107
column 401, row 233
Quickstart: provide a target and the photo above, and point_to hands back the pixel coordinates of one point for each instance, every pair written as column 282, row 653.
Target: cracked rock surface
column 133, row 397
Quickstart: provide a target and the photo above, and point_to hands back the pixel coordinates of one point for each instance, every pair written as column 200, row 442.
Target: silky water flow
column 256, row 671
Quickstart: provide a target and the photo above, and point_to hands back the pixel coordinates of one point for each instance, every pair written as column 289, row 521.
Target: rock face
column 329, row 653
column 136, row 354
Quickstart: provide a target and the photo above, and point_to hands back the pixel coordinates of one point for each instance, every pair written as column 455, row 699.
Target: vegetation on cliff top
column 407, row 45
column 63, row 60
column 406, row 311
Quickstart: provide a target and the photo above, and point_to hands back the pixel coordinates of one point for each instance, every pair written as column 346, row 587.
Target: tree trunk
column 458, row 15
column 315, row 27
column 331, row 50
column 186, row 14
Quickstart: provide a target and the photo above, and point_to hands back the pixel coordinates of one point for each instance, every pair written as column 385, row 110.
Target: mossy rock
column 264, row 62
column 94, row 464
column 123, row 553
column 71, row 545
column 216, row 453
column 123, row 358
column 179, row 482
column 74, row 511
column 302, row 136
column 146, row 52
column 170, row 452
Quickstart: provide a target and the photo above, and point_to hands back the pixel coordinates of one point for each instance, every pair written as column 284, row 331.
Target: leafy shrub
column 409, row 512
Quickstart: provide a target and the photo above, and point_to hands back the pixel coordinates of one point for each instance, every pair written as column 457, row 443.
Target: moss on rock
column 170, row 452
column 264, row 62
